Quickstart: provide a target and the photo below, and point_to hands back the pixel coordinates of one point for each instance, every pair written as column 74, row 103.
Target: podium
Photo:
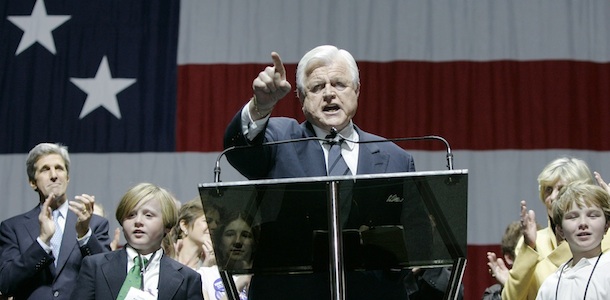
column 336, row 224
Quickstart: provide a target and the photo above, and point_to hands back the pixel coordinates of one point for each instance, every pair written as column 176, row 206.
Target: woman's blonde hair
column 568, row 169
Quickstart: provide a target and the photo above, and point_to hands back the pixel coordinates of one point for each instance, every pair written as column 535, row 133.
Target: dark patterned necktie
column 336, row 163
column 338, row 167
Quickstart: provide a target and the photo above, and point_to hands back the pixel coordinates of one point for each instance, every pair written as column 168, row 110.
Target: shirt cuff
column 249, row 127
column 85, row 239
column 44, row 246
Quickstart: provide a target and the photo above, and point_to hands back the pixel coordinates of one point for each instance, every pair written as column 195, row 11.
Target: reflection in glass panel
column 388, row 221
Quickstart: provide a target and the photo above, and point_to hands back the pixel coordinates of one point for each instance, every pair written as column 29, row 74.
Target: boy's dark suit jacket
column 101, row 277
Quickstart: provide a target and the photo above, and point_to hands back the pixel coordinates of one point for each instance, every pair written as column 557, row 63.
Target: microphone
column 332, row 138
column 328, row 139
column 418, row 138
column 333, row 134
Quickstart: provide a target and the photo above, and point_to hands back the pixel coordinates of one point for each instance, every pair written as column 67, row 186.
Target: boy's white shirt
column 137, row 294
column 150, row 276
column 574, row 280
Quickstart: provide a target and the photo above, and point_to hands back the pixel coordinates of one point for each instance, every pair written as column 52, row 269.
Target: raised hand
column 601, row 182
column 497, row 268
column 115, row 241
column 269, row 87
column 45, row 219
column 82, row 206
column 209, row 257
column 528, row 225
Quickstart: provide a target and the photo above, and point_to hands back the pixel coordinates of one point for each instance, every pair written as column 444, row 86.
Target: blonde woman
column 539, row 253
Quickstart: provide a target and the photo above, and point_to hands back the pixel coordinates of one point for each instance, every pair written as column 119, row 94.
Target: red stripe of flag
column 475, row 105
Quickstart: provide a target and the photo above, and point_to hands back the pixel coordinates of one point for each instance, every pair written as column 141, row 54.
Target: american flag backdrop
column 142, row 90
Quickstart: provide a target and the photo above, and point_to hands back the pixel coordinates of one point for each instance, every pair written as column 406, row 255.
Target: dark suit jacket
column 305, row 159
column 102, row 276
column 28, row 272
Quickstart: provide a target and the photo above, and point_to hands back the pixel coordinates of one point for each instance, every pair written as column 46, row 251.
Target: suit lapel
column 32, row 224
column 310, row 153
column 169, row 279
column 311, row 159
column 115, row 270
column 370, row 158
column 560, row 255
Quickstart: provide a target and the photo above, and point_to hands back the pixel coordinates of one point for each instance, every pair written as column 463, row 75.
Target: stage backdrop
column 142, row 90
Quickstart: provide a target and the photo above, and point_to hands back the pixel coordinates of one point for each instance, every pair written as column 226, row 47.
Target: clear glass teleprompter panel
column 388, row 221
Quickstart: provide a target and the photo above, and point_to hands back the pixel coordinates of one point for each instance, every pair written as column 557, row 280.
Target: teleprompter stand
column 344, row 224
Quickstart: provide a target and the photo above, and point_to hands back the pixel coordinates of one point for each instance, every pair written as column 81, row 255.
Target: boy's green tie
column 133, row 279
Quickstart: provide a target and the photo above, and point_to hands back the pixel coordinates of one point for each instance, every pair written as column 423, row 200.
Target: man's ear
column 33, row 185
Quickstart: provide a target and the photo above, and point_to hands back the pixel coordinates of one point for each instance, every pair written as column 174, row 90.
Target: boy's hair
column 567, row 168
column 145, row 192
column 510, row 238
column 582, row 194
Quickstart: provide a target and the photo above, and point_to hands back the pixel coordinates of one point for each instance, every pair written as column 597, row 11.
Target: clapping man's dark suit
column 27, row 270
column 327, row 87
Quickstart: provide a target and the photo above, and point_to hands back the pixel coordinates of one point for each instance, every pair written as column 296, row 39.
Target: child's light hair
column 583, row 194
column 144, row 192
